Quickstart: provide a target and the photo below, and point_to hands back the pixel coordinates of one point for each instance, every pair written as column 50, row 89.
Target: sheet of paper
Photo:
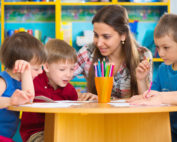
column 50, row 105
column 119, row 101
column 69, row 101
column 120, row 104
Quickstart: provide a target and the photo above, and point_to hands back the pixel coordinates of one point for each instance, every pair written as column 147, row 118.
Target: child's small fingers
column 22, row 94
column 15, row 69
column 140, row 69
column 22, row 68
column 18, row 66
column 142, row 65
column 145, row 94
column 138, row 103
column 145, row 65
column 29, row 94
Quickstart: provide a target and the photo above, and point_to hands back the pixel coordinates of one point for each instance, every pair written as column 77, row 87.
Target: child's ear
column 46, row 67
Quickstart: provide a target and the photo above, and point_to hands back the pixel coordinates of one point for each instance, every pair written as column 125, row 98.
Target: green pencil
column 107, row 70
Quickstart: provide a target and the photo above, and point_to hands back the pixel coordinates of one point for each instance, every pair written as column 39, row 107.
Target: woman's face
column 106, row 39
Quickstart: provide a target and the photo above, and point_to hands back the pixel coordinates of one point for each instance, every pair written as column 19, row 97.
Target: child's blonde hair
column 167, row 25
column 60, row 51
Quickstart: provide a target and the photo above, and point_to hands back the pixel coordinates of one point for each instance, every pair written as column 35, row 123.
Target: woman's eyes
column 104, row 36
column 95, row 35
column 166, row 48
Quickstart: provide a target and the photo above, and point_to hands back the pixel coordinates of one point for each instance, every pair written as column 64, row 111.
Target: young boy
column 22, row 56
column 164, row 87
column 52, row 83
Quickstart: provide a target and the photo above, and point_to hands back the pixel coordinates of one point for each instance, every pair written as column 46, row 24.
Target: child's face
column 167, row 49
column 59, row 74
column 36, row 69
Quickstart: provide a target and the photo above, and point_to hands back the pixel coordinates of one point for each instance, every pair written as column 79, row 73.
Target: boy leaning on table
column 53, row 83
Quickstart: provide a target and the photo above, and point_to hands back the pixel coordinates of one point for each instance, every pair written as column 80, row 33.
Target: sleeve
column 82, row 58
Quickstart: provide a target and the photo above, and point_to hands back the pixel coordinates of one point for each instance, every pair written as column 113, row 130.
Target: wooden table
column 94, row 122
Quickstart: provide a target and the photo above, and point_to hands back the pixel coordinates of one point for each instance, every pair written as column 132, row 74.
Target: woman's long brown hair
column 117, row 17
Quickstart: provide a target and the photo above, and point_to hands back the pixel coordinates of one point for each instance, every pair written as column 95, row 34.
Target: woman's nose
column 99, row 42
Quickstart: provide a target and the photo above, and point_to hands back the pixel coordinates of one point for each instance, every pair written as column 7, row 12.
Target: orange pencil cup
column 104, row 88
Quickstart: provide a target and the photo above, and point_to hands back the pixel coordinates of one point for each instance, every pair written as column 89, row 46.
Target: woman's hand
column 87, row 97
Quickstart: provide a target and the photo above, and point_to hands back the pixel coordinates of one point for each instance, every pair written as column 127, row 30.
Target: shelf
column 29, row 3
column 61, row 7
column 87, row 3
column 144, row 3
column 157, row 60
column 120, row 3
column 91, row 3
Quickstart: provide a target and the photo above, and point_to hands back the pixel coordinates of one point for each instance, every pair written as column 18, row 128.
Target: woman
column 113, row 41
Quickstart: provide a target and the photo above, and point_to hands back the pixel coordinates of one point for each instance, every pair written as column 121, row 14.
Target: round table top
column 92, row 107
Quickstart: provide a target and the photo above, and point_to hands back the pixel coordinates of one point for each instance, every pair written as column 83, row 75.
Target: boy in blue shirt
column 164, row 87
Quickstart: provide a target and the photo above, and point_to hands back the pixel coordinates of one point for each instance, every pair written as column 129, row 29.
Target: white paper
column 69, row 101
column 119, row 101
column 50, row 105
column 120, row 104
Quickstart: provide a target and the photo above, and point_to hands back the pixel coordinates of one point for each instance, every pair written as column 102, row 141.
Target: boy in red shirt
column 52, row 83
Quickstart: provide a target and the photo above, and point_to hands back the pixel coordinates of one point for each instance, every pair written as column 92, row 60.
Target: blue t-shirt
column 165, row 81
column 9, row 119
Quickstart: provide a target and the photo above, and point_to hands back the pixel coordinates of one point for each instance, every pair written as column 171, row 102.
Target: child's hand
column 20, row 97
column 21, row 66
column 87, row 97
column 154, row 100
column 135, row 98
column 142, row 70
column 148, row 94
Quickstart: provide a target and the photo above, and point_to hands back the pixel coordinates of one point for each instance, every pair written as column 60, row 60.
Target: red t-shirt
column 34, row 122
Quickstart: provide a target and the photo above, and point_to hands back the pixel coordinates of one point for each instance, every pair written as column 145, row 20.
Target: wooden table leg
column 138, row 127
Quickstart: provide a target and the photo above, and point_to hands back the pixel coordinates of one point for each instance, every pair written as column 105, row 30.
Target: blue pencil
column 99, row 68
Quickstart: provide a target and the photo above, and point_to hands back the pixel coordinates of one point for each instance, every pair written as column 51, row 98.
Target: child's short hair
column 22, row 46
column 167, row 26
column 60, row 51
